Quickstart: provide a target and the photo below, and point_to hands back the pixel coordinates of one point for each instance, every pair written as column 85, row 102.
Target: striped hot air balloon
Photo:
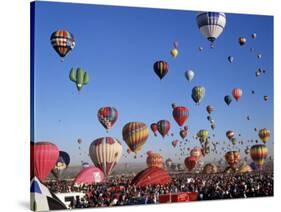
column 237, row 93
column 63, row 42
column 161, row 68
column 211, row 24
column 232, row 158
column 154, row 129
column 135, row 135
column 107, row 116
column 105, row 153
column 196, row 152
column 180, row 114
column 258, row 154
column 154, row 160
column 163, row 127
column 264, row 135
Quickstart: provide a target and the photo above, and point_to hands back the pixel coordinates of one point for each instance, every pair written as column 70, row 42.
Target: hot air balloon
column 230, row 134
column 237, row 93
column 79, row 77
column 180, row 114
column 210, row 168
column 43, row 158
column 79, row 141
column 228, row 99
column 183, row 133
column 154, row 160
column 135, row 135
column 258, row 154
column 259, row 56
column 232, row 158
column 254, row 35
column 163, row 127
column 107, row 116
column 190, row 162
column 230, row 59
column 105, row 153
column 209, row 109
column 161, row 68
column 151, row 176
column 63, row 42
column 211, row 24
column 154, row 129
column 61, row 164
column 198, row 93
column 265, row 98
column 169, row 162
column 189, row 75
column 196, row 152
column 264, row 135
column 200, row 48
column 203, row 135
column 89, row 175
column 245, row 168
column 85, row 164
column 176, row 44
column 174, row 52
column 213, row 126
column 233, row 141
column 242, row 41
column 174, row 143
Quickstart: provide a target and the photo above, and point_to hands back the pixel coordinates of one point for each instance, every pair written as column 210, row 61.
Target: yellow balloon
column 174, row 52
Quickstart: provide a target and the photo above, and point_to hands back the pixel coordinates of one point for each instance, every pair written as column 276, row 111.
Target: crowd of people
column 118, row 190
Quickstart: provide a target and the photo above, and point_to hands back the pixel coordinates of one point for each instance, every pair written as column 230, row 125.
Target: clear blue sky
column 117, row 46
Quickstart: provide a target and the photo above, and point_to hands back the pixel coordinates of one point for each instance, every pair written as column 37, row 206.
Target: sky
column 118, row 46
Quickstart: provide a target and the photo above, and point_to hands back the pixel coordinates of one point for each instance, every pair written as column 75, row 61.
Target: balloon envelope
column 89, row 175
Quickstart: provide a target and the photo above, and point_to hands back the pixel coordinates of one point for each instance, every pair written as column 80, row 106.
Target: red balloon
column 180, row 114
column 237, row 93
column 43, row 158
column 163, row 127
column 151, row 176
column 174, row 143
column 190, row 162
column 89, row 175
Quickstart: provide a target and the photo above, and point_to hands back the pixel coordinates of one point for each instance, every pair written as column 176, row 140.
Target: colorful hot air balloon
column 89, row 175
column 258, row 154
column 63, row 42
column 264, row 135
column 174, row 143
column 43, row 158
column 61, row 164
column 237, row 93
column 210, row 168
column 196, row 152
column 135, row 135
column 228, row 99
column 230, row 134
column 211, row 24
column 242, row 41
column 203, row 135
column 209, row 109
column 163, row 127
column 245, row 168
column 174, row 52
column 151, row 176
column 230, row 59
column 232, row 158
column 105, row 153
column 154, row 160
column 189, row 75
column 107, row 116
column 190, row 162
column 180, row 114
column 161, row 68
column 183, row 133
column 198, row 93
column 154, row 129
